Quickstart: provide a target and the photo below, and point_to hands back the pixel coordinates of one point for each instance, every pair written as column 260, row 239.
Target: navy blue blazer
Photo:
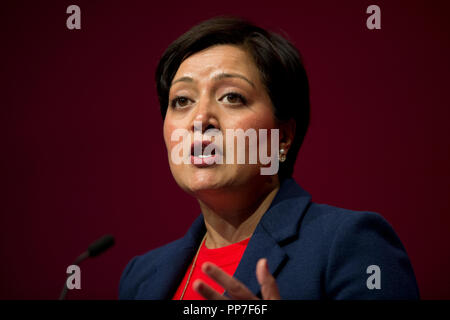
column 314, row 251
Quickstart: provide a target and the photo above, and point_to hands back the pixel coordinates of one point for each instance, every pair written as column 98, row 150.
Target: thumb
column 269, row 288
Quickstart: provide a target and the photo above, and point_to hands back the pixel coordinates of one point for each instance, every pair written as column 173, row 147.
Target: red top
column 227, row 258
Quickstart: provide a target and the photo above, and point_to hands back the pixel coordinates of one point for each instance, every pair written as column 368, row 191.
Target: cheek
column 259, row 120
column 168, row 129
column 263, row 120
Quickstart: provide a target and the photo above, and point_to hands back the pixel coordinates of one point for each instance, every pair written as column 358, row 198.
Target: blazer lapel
column 261, row 245
column 278, row 225
column 171, row 266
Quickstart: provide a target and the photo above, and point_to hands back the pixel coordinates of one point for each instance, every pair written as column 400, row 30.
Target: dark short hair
column 279, row 62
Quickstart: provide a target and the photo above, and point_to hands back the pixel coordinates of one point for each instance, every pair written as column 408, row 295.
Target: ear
column 287, row 134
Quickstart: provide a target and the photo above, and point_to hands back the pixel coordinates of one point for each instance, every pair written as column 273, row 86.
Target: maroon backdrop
column 82, row 152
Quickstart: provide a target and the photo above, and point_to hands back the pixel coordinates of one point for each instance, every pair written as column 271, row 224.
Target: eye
column 179, row 102
column 234, row 98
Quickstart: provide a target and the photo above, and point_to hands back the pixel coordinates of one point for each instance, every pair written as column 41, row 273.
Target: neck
column 232, row 216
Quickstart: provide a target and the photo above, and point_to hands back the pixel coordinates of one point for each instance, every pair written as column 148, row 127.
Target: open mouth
column 201, row 155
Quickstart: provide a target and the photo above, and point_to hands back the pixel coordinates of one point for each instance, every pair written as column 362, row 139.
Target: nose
column 205, row 113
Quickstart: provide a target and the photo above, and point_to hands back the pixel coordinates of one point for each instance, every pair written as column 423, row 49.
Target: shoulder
column 142, row 267
column 332, row 221
column 153, row 265
column 357, row 229
column 354, row 244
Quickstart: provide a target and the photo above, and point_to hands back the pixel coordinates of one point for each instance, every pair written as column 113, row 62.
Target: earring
column 282, row 156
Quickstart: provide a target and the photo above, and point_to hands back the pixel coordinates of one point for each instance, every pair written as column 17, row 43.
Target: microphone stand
column 77, row 261
column 93, row 250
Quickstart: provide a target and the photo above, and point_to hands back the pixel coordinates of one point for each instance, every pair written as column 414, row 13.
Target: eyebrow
column 216, row 78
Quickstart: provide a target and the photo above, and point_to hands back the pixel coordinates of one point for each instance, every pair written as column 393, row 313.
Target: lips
column 202, row 156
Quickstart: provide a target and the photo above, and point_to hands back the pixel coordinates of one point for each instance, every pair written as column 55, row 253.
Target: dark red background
column 82, row 152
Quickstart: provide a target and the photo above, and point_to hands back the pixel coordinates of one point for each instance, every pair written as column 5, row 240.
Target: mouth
column 201, row 156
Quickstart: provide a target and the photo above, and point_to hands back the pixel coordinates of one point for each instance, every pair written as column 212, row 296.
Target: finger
column 206, row 291
column 234, row 287
column 269, row 288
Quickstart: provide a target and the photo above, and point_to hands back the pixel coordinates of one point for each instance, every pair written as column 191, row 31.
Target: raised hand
column 236, row 289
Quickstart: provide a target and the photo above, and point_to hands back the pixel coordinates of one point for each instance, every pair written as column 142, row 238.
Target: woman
column 259, row 235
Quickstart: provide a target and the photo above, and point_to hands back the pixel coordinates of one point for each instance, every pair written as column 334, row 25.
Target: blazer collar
column 169, row 269
column 277, row 226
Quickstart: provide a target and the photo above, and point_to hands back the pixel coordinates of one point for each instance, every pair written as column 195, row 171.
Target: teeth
column 204, row 156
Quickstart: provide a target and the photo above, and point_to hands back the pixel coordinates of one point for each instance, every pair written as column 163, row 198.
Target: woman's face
column 219, row 87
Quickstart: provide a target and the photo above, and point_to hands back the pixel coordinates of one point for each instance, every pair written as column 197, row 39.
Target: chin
column 198, row 180
column 204, row 180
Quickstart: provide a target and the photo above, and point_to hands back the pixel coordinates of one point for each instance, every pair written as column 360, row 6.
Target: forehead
column 219, row 59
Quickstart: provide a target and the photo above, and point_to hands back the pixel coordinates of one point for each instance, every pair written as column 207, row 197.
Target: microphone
column 101, row 245
column 96, row 248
